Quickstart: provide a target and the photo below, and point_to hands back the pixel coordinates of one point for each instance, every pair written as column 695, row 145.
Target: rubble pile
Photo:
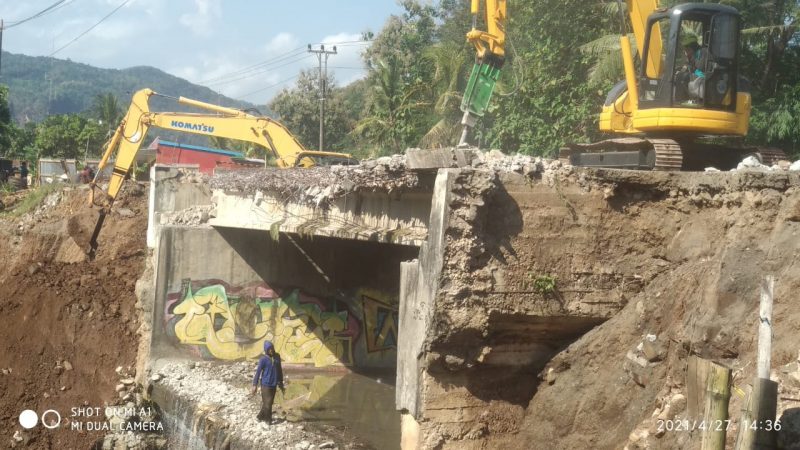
column 386, row 174
column 315, row 184
column 193, row 216
column 524, row 164
column 131, row 412
column 229, row 396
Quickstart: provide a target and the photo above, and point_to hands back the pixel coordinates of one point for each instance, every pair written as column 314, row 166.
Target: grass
column 32, row 200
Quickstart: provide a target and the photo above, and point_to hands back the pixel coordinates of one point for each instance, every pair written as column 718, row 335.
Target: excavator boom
column 224, row 122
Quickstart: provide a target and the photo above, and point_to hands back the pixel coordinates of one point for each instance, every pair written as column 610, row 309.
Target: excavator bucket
column 84, row 228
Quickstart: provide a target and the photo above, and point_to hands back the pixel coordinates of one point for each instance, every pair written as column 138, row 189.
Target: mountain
column 39, row 86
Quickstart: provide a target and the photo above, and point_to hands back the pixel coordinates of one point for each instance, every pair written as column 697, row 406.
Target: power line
column 243, row 77
column 91, row 28
column 67, row 3
column 322, row 55
column 270, row 86
column 38, row 14
column 265, row 68
column 290, row 53
column 283, row 56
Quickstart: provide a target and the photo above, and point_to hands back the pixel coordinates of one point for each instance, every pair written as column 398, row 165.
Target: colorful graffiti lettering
column 380, row 324
column 226, row 323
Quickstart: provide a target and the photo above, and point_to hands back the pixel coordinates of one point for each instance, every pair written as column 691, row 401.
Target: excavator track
column 663, row 154
column 668, row 154
column 770, row 156
column 626, row 153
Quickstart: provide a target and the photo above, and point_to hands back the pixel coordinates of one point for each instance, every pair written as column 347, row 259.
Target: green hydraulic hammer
column 490, row 48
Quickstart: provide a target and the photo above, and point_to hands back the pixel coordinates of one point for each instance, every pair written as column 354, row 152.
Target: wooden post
column 765, row 327
column 718, row 393
column 696, row 382
column 756, row 425
column 758, row 416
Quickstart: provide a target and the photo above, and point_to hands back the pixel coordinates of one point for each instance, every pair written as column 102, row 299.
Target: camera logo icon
column 50, row 419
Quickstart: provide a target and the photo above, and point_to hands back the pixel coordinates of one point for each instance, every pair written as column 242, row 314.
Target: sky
column 215, row 43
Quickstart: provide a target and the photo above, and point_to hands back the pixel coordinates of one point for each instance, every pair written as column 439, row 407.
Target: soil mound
column 67, row 323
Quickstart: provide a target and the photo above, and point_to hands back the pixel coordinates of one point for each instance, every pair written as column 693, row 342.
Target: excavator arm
column 224, row 122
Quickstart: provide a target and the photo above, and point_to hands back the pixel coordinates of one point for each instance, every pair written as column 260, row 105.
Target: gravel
column 317, row 184
column 226, row 387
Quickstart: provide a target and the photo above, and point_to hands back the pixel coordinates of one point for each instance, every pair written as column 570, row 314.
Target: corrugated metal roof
column 199, row 148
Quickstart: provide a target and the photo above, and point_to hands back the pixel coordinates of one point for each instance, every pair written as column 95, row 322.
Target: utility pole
column 323, row 82
column 1, row 43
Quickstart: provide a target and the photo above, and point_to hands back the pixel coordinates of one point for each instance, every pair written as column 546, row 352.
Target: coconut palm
column 391, row 102
column 107, row 109
column 449, row 61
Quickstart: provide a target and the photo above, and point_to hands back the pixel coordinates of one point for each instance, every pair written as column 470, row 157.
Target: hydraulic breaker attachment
column 477, row 95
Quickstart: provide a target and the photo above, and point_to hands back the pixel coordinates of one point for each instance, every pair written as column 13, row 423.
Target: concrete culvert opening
column 330, row 307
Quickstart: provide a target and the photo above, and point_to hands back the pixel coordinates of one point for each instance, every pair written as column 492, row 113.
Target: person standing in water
column 269, row 375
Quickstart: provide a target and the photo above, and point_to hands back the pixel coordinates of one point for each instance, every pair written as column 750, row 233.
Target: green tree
column 7, row 128
column 298, row 110
column 399, row 104
column 22, row 146
column 393, row 106
column 554, row 103
column 771, row 60
column 68, row 136
column 106, row 108
column 449, row 62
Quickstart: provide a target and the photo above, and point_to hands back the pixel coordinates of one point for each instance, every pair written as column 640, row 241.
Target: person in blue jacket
column 269, row 375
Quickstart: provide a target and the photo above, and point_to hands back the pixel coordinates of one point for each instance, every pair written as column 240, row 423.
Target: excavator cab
column 692, row 51
column 686, row 89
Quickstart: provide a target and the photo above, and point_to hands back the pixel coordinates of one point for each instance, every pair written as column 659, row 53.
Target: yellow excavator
column 220, row 121
column 687, row 88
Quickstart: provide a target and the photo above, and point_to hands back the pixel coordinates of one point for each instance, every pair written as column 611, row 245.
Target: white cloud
column 281, row 43
column 346, row 65
column 222, row 73
column 116, row 30
column 201, row 21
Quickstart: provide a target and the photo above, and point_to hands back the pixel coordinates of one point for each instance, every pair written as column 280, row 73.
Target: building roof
column 161, row 142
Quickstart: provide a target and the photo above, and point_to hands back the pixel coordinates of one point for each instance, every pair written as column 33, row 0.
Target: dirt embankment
column 66, row 323
column 710, row 239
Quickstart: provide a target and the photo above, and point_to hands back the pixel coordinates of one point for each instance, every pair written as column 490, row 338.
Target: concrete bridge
column 463, row 274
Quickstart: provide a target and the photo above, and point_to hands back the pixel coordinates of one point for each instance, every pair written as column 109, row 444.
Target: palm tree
column 391, row 99
column 106, row 108
column 449, row 61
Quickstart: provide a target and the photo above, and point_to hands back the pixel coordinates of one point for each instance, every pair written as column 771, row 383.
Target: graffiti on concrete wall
column 380, row 323
column 229, row 323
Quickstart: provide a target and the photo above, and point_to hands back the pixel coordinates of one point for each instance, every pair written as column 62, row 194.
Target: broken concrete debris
column 318, row 184
column 192, row 216
column 230, row 400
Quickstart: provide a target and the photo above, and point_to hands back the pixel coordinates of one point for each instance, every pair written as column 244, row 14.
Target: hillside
column 39, row 86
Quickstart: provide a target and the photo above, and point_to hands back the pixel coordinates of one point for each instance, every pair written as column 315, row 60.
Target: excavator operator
column 690, row 81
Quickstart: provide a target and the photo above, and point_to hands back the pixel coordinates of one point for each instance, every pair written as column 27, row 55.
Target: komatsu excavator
column 664, row 122
column 221, row 122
